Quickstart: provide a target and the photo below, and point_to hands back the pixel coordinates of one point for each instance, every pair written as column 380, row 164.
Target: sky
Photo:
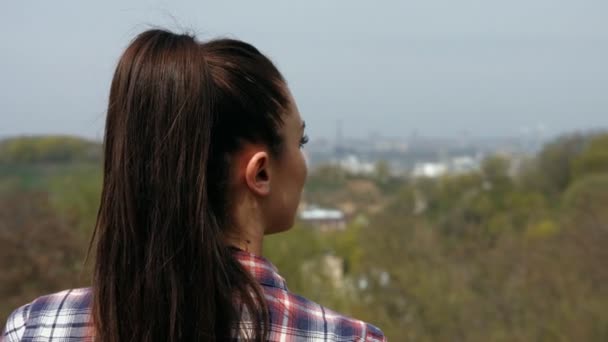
column 440, row 68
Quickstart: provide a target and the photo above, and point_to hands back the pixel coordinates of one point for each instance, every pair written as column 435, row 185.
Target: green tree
column 40, row 254
column 593, row 159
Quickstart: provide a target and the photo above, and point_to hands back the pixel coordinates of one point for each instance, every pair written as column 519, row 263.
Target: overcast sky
column 435, row 67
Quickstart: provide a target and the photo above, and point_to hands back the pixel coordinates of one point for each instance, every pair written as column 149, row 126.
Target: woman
column 202, row 159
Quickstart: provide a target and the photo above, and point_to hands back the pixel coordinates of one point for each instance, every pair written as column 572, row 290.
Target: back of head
column 178, row 109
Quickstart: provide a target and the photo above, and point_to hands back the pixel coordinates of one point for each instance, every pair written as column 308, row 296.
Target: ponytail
column 177, row 109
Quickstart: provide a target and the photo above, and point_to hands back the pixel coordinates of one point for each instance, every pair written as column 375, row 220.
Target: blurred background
column 458, row 184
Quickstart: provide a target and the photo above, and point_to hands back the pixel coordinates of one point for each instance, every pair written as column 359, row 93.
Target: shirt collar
column 262, row 270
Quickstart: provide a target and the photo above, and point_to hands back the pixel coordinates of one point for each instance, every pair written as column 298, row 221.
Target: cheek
column 294, row 183
column 303, row 167
column 296, row 180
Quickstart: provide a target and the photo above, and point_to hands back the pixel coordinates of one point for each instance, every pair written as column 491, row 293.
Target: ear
column 257, row 173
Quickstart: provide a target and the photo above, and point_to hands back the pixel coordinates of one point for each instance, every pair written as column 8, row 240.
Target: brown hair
column 178, row 109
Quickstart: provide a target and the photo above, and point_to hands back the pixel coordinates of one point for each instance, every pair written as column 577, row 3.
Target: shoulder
column 15, row 324
column 295, row 316
column 64, row 314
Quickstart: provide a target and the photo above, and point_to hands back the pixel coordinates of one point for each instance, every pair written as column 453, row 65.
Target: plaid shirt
column 66, row 316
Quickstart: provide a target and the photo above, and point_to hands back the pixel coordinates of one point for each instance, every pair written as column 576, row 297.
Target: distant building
column 328, row 268
column 464, row 164
column 353, row 164
column 430, row 170
column 333, row 268
column 456, row 165
column 324, row 219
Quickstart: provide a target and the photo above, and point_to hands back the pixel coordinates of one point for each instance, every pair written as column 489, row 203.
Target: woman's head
column 195, row 132
column 177, row 104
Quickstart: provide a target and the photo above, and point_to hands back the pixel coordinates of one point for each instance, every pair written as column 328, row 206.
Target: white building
column 430, row 170
column 325, row 219
column 463, row 164
column 354, row 165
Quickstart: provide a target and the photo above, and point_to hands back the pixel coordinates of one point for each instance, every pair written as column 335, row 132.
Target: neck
column 246, row 242
column 247, row 231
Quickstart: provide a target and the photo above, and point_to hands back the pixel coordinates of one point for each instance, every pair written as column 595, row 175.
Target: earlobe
column 257, row 173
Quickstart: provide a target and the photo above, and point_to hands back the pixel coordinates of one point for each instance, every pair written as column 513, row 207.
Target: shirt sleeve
column 15, row 324
column 374, row 334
